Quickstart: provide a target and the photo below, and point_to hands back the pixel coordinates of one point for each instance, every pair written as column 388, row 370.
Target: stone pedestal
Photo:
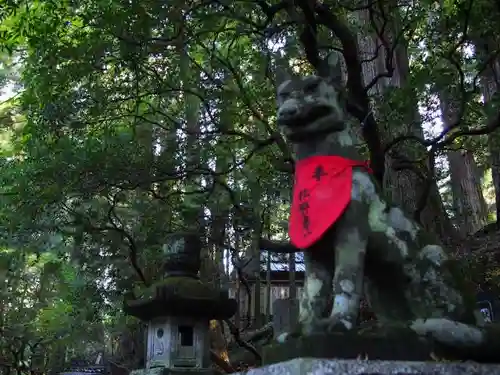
column 312, row 366
column 351, row 345
column 172, row 371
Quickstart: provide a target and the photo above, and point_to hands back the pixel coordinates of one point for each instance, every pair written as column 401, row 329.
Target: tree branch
column 359, row 104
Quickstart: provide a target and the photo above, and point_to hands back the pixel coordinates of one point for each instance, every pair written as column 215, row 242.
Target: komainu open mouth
column 307, row 116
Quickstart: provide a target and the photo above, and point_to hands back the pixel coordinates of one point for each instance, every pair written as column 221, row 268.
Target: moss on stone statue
column 179, row 285
column 181, row 296
column 453, row 274
column 467, row 289
column 187, row 286
column 486, row 352
column 458, row 279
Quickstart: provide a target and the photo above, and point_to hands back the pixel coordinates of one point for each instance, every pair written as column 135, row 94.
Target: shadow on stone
column 375, row 344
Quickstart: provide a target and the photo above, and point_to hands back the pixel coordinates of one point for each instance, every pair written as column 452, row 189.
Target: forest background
column 124, row 121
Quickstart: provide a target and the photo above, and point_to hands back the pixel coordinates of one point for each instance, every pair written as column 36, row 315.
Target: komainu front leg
column 350, row 249
column 316, row 295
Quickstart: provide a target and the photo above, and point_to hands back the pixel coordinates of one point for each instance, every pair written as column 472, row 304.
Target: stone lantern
column 178, row 310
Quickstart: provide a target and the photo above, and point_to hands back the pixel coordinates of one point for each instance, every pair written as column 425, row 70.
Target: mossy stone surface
column 181, row 296
column 386, row 344
column 487, row 352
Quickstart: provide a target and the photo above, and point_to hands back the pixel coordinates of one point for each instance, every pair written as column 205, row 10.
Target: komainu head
column 310, row 106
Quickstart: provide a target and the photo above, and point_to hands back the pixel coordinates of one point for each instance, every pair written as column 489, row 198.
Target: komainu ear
column 331, row 68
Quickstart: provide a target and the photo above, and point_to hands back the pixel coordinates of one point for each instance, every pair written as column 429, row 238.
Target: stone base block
column 396, row 345
column 313, row 366
column 166, row 371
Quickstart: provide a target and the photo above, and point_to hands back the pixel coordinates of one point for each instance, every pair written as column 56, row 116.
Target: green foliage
column 133, row 120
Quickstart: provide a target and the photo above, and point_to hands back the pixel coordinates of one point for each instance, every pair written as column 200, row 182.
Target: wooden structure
column 278, row 288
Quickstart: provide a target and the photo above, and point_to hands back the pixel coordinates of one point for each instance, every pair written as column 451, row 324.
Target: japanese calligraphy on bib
column 321, row 193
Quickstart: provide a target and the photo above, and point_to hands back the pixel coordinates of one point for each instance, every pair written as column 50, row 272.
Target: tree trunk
column 193, row 215
column 470, row 207
column 468, row 201
column 490, row 87
column 404, row 186
column 257, row 233
column 268, row 285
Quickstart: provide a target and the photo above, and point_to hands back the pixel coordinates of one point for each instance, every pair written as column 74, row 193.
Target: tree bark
column 470, row 208
column 490, row 88
column 378, row 56
column 468, row 201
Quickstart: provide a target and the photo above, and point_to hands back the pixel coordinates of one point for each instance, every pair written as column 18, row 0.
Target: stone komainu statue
column 353, row 237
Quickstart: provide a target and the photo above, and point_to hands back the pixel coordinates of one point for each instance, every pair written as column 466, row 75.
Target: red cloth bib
column 321, row 193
